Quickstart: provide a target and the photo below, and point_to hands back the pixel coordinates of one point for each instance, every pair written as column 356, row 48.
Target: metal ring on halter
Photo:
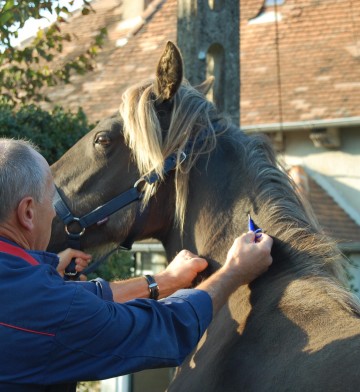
column 183, row 157
column 139, row 181
column 69, row 233
column 70, row 273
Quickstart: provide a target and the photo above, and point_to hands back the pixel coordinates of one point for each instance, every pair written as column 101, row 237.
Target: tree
column 54, row 132
column 25, row 71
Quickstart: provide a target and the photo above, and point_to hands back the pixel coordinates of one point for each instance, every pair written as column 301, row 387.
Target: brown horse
column 295, row 328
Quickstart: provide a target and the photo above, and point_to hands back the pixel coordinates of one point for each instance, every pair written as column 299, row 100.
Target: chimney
column 133, row 8
column 300, row 178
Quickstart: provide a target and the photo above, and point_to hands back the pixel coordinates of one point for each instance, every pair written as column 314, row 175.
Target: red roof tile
column 331, row 217
column 315, row 65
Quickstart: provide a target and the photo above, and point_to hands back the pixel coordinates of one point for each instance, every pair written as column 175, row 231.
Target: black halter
column 99, row 214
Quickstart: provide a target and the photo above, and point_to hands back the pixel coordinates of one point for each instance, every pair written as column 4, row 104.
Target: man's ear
column 25, row 213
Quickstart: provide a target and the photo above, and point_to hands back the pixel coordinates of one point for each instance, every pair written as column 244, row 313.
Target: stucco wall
column 337, row 170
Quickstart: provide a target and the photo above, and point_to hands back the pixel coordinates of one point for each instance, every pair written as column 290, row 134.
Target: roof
column 313, row 73
column 297, row 65
column 308, row 62
column 119, row 64
column 334, row 220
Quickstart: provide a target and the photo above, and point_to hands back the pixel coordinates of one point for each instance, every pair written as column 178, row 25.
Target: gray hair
column 21, row 174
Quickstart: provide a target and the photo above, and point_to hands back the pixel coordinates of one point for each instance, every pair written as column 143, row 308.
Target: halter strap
column 98, row 213
column 5, row 247
column 110, row 207
column 117, row 203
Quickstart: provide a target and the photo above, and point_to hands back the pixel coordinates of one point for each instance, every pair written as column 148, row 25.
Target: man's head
column 26, row 192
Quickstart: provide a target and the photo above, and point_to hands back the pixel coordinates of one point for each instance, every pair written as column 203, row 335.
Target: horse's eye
column 103, row 139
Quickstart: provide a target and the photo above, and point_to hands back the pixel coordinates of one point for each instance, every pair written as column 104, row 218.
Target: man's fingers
column 81, row 264
column 198, row 263
column 249, row 237
column 80, row 254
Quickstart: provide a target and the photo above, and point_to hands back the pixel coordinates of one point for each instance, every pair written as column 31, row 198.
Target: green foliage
column 118, row 266
column 54, row 132
column 89, row 386
column 25, row 71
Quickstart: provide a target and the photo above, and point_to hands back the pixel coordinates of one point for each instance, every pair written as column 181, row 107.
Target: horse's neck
column 215, row 215
column 285, row 291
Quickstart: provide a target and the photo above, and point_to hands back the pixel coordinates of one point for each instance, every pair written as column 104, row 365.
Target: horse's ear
column 169, row 72
column 206, row 85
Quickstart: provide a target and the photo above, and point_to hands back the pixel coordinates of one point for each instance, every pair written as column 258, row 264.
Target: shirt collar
column 42, row 257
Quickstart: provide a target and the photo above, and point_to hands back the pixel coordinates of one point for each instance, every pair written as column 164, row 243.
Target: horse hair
column 191, row 114
column 292, row 220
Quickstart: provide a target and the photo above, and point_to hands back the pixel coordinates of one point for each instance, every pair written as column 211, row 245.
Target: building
column 300, row 83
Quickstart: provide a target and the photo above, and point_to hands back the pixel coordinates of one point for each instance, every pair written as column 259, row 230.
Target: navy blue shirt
column 53, row 331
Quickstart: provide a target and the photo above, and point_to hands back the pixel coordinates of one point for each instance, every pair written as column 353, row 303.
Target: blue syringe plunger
column 253, row 227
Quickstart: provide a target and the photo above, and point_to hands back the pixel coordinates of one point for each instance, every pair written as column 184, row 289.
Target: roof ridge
column 143, row 18
column 334, row 194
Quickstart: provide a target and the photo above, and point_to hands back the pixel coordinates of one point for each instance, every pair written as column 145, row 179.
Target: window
column 272, row 3
column 267, row 13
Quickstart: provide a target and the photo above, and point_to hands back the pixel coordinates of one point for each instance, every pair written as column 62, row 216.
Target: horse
column 295, row 328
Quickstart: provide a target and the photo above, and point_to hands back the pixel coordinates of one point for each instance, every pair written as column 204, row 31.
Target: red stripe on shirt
column 26, row 330
column 16, row 251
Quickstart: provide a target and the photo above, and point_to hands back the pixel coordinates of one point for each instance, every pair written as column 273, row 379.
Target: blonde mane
column 150, row 146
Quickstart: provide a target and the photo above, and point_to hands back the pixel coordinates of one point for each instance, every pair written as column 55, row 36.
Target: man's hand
column 248, row 259
column 245, row 261
column 180, row 273
column 81, row 260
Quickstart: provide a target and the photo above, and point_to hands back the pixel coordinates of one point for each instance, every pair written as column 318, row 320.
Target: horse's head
column 158, row 120
column 92, row 172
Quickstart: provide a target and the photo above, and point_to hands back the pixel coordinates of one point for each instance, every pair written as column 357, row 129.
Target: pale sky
column 32, row 26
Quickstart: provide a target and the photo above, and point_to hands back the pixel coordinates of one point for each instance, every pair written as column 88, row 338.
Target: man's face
column 45, row 214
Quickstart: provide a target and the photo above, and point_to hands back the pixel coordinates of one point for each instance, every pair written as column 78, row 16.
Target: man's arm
column 123, row 338
column 246, row 260
column 179, row 274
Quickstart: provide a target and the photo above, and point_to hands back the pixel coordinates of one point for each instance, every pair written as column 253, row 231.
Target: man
column 52, row 332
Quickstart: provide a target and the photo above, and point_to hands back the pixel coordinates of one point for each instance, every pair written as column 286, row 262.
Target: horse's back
column 319, row 351
column 332, row 369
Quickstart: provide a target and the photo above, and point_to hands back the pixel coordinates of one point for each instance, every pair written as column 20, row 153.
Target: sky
column 32, row 26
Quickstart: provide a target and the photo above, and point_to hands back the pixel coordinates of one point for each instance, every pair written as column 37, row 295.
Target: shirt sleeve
column 99, row 287
column 101, row 339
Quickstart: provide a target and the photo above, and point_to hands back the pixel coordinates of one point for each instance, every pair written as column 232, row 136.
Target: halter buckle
column 74, row 235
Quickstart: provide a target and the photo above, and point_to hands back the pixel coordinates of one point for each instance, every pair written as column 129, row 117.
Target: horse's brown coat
column 293, row 329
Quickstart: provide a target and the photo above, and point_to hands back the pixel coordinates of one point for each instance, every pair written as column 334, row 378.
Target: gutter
column 302, row 125
column 350, row 247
